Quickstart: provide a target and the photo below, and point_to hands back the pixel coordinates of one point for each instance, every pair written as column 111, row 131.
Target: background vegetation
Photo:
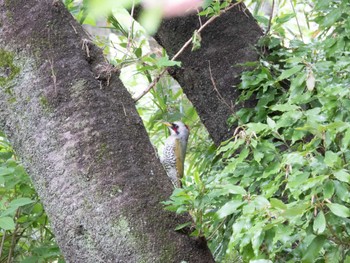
column 278, row 190
column 24, row 230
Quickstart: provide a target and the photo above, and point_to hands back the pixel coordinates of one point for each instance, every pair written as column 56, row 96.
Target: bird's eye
column 175, row 128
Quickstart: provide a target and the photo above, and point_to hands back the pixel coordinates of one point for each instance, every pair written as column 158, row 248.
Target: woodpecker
column 175, row 150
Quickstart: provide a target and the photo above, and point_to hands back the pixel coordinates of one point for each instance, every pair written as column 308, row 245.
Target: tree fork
column 209, row 74
column 80, row 138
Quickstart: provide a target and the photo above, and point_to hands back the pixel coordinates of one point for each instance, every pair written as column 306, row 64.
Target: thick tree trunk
column 83, row 143
column 226, row 42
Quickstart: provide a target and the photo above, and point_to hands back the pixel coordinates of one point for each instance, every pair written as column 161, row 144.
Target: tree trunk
column 226, row 42
column 76, row 130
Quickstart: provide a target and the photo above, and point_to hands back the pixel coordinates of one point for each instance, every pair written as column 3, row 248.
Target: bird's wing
column 180, row 159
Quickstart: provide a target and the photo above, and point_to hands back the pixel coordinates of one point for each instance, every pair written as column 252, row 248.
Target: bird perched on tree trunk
column 175, row 151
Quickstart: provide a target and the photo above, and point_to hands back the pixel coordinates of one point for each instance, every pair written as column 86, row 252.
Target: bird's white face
column 177, row 128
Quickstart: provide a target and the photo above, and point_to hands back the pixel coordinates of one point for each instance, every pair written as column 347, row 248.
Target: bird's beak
column 167, row 124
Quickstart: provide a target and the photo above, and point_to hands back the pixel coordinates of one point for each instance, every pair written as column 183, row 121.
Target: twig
column 270, row 19
column 199, row 18
column 2, row 242
column 151, row 85
column 13, row 239
column 76, row 32
column 244, row 8
column 124, row 109
column 296, row 18
column 86, row 47
column 131, row 26
column 215, row 230
column 188, row 42
column 217, row 91
column 54, row 78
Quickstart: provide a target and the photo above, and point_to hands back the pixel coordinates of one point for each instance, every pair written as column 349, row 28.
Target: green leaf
column 225, row 146
column 278, row 204
column 289, row 72
column 272, row 168
column 294, row 158
column 165, row 62
column 339, row 210
column 342, row 175
column 7, row 223
column 257, row 127
column 233, row 162
column 258, row 155
column 6, row 171
column 260, row 261
column 138, row 52
column 296, row 210
column 181, row 226
column 261, row 203
column 233, row 189
column 21, row 202
column 89, row 20
column 328, row 189
column 257, row 239
column 288, row 119
column 206, row 3
column 196, row 41
column 284, row 107
column 342, row 191
column 229, row 208
column 315, row 115
column 331, row 158
column 313, row 249
column 9, row 211
column 319, row 223
column 346, row 140
column 284, row 18
column 322, row 4
column 332, row 17
column 32, row 259
column 271, row 123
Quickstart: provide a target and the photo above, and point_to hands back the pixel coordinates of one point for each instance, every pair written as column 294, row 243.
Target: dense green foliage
column 278, row 190
column 25, row 234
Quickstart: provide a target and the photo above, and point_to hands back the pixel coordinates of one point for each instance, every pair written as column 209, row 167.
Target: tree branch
column 188, row 42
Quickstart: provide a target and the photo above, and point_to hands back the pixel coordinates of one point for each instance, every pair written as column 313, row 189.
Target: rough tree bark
column 76, row 130
column 226, row 42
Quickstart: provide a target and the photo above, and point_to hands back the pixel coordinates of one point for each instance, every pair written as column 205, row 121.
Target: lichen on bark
column 8, row 68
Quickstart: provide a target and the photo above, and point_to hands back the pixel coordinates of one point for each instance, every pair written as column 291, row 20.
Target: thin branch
column 76, row 32
column 131, row 27
column 53, row 75
column 217, row 91
column 270, row 19
column 296, row 18
column 13, row 239
column 2, row 242
column 151, row 85
column 188, row 42
column 199, row 18
column 215, row 230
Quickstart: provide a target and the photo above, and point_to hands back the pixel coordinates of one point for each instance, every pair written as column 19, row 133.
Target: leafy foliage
column 25, row 235
column 278, row 190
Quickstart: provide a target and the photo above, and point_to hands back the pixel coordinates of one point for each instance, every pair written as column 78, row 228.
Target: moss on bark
column 8, row 69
